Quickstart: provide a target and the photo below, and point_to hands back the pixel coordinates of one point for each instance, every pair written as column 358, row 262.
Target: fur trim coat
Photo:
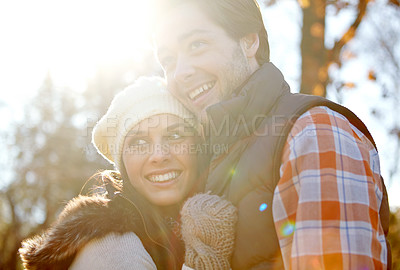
column 82, row 220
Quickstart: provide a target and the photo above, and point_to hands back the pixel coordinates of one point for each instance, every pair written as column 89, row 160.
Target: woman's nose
column 160, row 153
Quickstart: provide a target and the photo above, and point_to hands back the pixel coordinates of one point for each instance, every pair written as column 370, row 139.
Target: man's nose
column 184, row 69
column 160, row 153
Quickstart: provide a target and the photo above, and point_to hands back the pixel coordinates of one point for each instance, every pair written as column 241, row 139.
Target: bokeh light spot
column 233, row 172
column 262, row 207
column 288, row 228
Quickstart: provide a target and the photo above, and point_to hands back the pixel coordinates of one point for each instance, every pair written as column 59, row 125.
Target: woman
column 150, row 138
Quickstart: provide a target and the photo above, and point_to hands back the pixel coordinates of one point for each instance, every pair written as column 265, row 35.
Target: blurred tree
column 52, row 153
column 381, row 36
column 49, row 167
column 316, row 55
column 394, row 238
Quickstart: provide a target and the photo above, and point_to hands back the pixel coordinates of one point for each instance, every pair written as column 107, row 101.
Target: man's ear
column 250, row 44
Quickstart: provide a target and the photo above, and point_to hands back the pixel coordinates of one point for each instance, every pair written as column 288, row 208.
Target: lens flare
column 288, row 228
column 262, row 207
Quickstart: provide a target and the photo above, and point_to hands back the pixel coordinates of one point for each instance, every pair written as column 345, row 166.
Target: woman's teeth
column 163, row 177
column 195, row 93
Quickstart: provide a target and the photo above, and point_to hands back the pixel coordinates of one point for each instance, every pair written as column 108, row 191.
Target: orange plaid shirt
column 326, row 204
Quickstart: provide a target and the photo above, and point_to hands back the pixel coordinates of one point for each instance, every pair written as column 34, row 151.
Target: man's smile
column 193, row 95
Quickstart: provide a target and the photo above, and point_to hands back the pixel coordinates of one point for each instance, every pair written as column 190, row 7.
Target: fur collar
column 83, row 219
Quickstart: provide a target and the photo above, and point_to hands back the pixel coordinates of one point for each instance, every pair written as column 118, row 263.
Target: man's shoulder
column 321, row 121
column 323, row 117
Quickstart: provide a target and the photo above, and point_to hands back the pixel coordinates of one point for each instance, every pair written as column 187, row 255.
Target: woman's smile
column 162, row 177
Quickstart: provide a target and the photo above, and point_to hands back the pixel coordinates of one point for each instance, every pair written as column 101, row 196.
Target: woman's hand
column 208, row 230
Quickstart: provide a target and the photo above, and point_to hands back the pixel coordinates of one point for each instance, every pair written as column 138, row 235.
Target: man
column 303, row 171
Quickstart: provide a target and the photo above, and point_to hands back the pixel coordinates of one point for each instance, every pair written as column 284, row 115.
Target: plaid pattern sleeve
column 326, row 204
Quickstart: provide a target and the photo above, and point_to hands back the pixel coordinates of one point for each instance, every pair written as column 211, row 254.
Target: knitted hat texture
column 208, row 230
column 147, row 97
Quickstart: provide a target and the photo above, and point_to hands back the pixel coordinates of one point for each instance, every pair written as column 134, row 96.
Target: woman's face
column 160, row 160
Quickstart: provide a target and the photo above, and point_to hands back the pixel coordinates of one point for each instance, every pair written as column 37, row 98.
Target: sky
column 71, row 39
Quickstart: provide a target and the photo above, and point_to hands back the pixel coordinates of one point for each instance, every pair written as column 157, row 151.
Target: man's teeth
column 163, row 177
column 200, row 90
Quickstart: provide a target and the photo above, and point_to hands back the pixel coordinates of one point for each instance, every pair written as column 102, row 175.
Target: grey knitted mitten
column 208, row 230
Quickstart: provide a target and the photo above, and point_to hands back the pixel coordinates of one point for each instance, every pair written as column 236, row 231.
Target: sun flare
column 70, row 39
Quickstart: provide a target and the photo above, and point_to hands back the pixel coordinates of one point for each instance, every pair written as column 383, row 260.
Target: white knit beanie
column 147, row 97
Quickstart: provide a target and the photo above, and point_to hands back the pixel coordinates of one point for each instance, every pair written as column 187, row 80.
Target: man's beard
column 236, row 72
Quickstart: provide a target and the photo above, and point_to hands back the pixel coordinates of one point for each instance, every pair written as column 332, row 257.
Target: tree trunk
column 314, row 67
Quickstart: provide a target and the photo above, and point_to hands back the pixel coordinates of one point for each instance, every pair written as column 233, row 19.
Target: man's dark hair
column 237, row 17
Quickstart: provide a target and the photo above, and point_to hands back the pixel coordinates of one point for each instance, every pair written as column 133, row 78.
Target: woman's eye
column 138, row 142
column 174, row 136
